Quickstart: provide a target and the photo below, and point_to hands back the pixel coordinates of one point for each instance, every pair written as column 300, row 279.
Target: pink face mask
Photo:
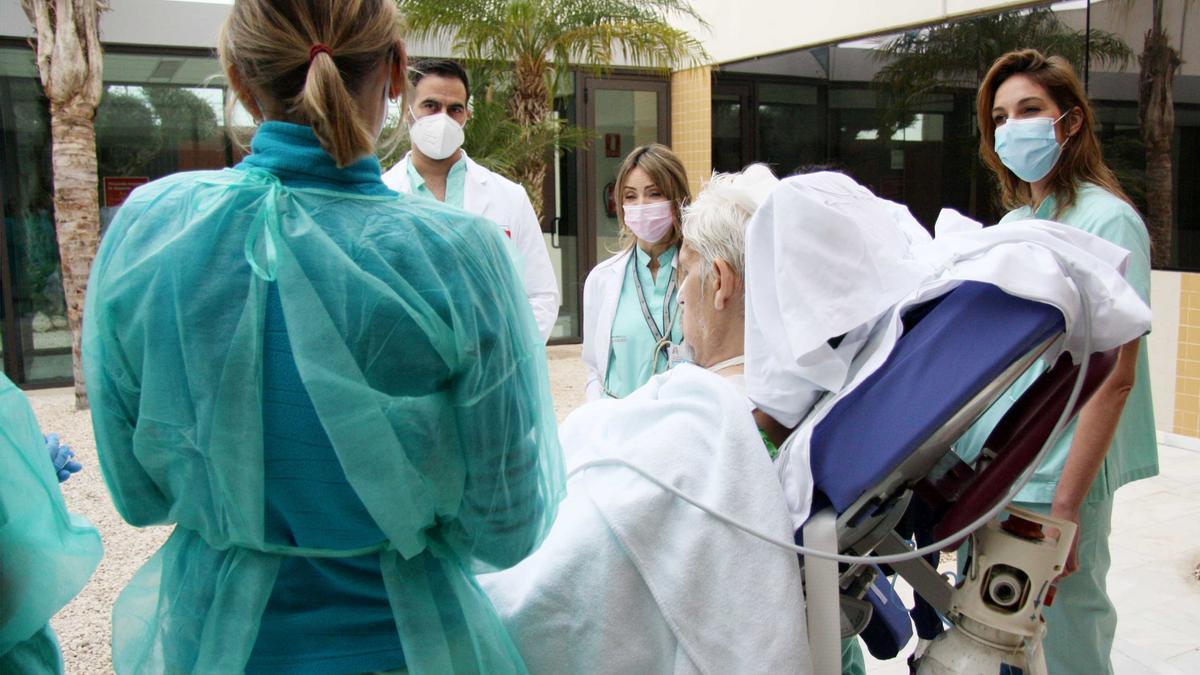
column 650, row 222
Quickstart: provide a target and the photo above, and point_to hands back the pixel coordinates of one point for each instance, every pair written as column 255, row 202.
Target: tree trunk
column 70, row 63
column 76, row 215
column 530, row 106
column 1156, row 113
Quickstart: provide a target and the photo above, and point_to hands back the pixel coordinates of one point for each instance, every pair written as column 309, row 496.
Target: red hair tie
column 317, row 49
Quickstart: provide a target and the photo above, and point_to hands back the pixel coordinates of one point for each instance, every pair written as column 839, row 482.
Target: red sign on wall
column 117, row 188
column 612, row 145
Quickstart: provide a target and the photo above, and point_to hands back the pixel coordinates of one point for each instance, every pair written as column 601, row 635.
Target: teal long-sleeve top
column 325, row 615
column 317, row 604
column 630, row 362
column 1134, row 451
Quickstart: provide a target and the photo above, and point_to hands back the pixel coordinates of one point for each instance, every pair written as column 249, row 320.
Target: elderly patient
column 631, row 578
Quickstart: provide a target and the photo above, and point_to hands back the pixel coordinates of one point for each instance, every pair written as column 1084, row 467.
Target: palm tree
column 69, row 61
column 127, row 138
column 1159, row 63
column 958, row 55
column 535, row 41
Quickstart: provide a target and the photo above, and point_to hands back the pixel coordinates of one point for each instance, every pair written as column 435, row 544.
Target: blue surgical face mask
column 1028, row 147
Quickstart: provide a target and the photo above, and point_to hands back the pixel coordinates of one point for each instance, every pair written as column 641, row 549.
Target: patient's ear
column 725, row 283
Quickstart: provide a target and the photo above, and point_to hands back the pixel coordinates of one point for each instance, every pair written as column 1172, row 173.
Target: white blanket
column 1038, row 260
column 633, row 580
column 824, row 257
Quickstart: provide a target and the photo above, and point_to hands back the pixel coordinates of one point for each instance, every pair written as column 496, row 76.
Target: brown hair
column 663, row 167
column 1082, row 159
column 268, row 43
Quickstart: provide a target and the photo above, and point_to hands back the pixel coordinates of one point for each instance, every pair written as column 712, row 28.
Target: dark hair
column 442, row 68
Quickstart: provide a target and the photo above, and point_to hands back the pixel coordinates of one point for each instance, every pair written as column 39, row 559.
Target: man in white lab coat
column 438, row 168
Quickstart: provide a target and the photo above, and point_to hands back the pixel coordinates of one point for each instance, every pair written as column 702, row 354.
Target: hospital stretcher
column 884, row 473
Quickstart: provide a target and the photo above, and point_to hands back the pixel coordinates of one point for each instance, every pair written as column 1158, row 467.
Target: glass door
column 8, row 362
column 623, row 113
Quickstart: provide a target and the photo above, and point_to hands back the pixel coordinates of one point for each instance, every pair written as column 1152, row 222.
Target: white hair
column 714, row 225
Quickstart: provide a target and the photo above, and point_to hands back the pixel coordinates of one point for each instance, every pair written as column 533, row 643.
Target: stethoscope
column 662, row 338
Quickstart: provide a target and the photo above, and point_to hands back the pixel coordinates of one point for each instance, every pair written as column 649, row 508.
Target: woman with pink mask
column 630, row 311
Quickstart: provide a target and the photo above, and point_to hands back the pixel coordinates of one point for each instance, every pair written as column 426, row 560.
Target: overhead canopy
column 782, row 25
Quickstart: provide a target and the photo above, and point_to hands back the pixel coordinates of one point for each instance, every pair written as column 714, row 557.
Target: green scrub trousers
column 1082, row 621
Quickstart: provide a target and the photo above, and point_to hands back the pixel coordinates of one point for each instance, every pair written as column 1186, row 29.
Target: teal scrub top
column 456, row 182
column 316, row 602
column 629, row 365
column 1133, row 454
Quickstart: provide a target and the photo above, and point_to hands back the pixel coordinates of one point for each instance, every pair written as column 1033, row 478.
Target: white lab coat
column 601, row 291
column 505, row 203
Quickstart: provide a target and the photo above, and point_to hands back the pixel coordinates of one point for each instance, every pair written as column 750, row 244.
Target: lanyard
column 661, row 341
column 662, row 338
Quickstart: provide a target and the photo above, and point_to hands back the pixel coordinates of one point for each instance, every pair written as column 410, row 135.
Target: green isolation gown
column 47, row 554
column 412, row 337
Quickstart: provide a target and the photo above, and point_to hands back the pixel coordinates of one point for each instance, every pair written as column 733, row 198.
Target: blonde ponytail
column 331, row 111
column 272, row 48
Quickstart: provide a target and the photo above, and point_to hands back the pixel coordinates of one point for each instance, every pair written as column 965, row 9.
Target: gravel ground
column 83, row 626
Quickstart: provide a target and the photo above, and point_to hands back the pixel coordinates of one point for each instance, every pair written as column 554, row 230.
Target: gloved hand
column 62, row 458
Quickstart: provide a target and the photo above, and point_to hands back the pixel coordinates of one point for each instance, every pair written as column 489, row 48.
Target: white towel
column 632, row 579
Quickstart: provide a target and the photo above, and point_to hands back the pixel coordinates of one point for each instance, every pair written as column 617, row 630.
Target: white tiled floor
column 1155, row 546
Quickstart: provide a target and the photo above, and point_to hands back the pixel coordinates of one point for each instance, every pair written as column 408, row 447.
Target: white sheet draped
column 826, row 258
column 632, row 579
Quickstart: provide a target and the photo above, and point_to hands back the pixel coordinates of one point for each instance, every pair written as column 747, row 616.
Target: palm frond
column 583, row 32
column 958, row 54
column 528, row 44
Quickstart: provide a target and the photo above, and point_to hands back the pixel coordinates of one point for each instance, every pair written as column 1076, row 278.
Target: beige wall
column 1187, row 374
column 171, row 23
column 691, row 123
column 1174, row 346
column 1163, row 345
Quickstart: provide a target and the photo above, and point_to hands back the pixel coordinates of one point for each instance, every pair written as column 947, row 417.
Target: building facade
column 814, row 100
column 792, row 85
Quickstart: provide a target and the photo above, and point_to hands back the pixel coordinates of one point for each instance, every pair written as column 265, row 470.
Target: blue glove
column 62, row 458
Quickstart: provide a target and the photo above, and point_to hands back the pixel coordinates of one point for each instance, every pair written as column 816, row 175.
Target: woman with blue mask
column 630, row 304
column 337, row 394
column 1038, row 137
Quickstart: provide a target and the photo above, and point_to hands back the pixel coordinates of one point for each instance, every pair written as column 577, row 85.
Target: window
column 161, row 113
